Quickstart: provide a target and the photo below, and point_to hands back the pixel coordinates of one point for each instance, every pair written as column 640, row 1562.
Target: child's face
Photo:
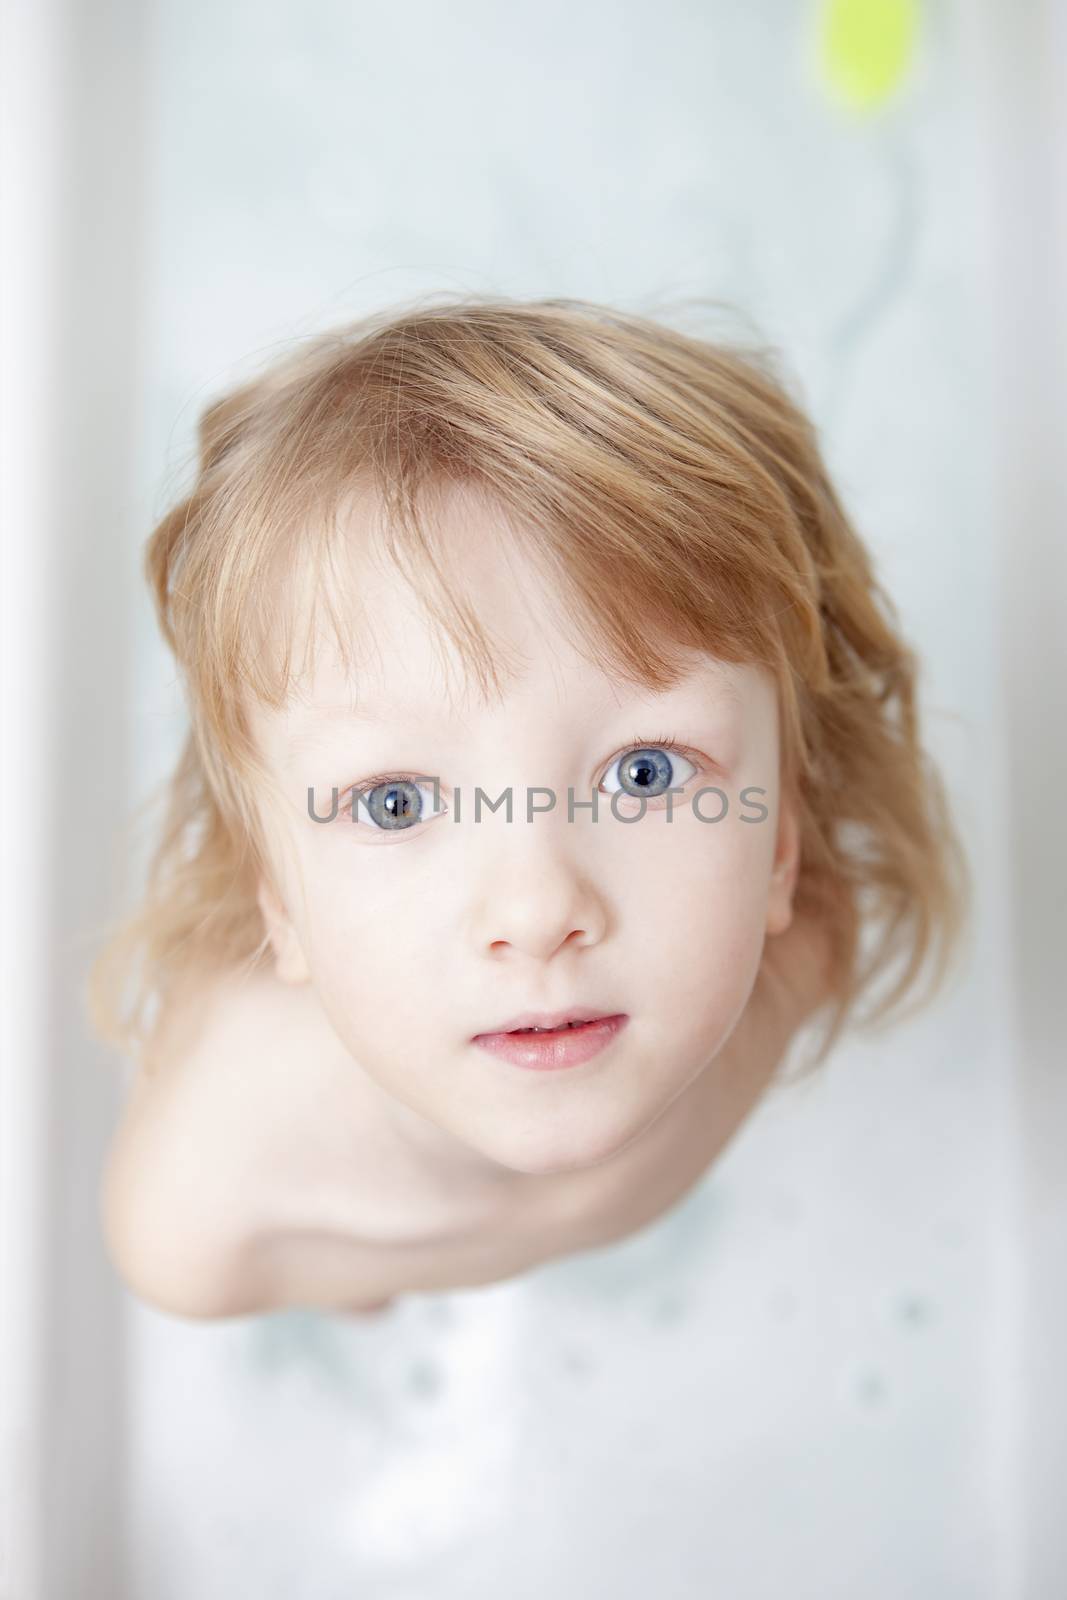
column 419, row 938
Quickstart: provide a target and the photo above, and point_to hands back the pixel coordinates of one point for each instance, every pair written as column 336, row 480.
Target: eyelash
column 664, row 742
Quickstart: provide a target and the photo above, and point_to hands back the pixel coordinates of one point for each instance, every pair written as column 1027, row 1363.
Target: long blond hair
column 659, row 475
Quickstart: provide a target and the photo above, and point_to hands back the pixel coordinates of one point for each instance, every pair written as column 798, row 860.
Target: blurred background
column 834, row 1369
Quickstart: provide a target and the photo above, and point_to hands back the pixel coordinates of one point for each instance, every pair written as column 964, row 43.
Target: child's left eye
column 648, row 771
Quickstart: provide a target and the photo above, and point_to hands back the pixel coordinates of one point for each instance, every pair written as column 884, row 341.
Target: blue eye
column 647, row 771
column 392, row 805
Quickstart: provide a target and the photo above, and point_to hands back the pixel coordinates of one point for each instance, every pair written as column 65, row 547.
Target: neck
column 470, row 1192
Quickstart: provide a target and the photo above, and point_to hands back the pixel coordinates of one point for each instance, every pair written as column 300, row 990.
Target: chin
column 551, row 1152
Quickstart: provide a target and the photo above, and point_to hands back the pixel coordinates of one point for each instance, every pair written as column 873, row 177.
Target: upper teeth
column 549, row 1030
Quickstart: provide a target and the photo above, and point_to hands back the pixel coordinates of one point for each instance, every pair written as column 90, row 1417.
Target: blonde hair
column 647, row 468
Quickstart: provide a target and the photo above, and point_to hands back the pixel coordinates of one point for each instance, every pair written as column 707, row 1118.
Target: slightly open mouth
column 564, row 1027
column 545, row 1049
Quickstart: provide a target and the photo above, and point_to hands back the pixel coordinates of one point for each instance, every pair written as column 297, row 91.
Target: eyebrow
column 358, row 713
column 319, row 724
column 318, row 718
column 314, row 718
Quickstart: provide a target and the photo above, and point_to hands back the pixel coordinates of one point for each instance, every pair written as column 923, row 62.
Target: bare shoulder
column 199, row 1167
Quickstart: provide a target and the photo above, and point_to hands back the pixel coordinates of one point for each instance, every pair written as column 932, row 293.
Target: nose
column 535, row 899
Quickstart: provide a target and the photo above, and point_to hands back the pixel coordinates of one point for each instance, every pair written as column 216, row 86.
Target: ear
column 785, row 869
column 290, row 963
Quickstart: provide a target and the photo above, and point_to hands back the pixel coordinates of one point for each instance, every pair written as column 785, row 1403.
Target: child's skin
column 327, row 1133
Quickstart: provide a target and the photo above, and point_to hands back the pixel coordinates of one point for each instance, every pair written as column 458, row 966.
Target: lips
column 548, row 1019
column 557, row 1047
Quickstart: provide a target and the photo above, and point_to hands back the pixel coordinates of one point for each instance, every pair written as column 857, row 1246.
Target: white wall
column 1027, row 170
column 813, row 1376
column 72, row 82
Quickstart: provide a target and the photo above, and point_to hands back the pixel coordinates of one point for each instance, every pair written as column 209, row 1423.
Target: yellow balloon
column 866, row 47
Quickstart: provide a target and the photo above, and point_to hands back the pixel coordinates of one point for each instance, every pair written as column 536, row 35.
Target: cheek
column 368, row 940
column 698, row 914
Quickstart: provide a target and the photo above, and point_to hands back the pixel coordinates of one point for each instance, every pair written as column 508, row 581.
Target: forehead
column 377, row 654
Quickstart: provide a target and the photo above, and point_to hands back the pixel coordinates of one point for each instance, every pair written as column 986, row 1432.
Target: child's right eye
column 392, row 804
